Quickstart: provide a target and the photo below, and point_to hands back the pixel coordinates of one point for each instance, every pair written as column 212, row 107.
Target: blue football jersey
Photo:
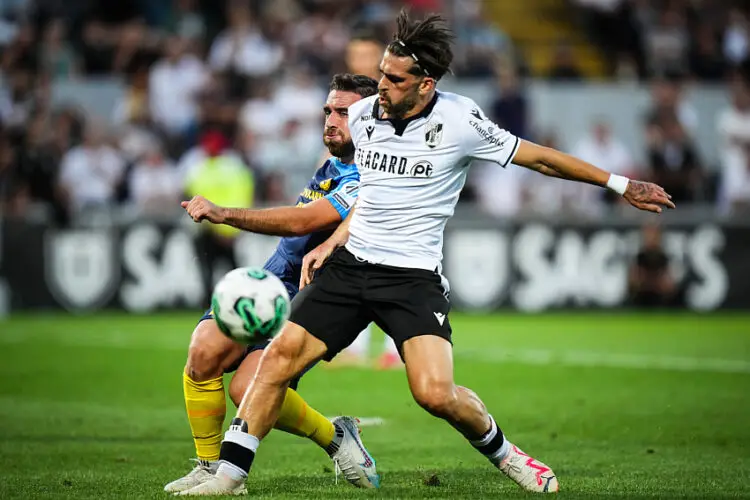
column 338, row 183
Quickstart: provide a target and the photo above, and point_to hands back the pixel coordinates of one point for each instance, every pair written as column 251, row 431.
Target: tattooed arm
column 548, row 161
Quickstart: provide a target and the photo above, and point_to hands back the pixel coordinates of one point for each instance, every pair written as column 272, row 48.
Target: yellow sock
column 296, row 417
column 206, row 407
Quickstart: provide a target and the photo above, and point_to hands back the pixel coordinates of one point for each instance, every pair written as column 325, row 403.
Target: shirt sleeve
column 343, row 197
column 484, row 140
column 352, row 122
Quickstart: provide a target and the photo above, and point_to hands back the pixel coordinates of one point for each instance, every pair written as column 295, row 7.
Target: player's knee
column 207, row 353
column 438, row 398
column 287, row 355
column 204, row 362
column 210, row 352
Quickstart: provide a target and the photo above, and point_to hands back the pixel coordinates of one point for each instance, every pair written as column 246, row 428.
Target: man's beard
column 340, row 150
column 399, row 110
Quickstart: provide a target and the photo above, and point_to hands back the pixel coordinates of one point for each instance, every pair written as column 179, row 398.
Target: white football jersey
column 411, row 174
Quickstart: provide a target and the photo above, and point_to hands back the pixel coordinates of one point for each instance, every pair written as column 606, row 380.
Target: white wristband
column 618, row 183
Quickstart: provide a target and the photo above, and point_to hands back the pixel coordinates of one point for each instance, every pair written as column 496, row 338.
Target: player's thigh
column 429, row 368
column 211, row 352
column 331, row 308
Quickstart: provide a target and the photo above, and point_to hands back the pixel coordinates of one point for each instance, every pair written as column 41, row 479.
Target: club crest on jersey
column 325, row 185
column 433, row 135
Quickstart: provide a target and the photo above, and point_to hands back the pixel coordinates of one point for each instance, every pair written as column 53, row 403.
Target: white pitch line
column 116, row 339
column 585, row 358
column 8, row 404
column 606, row 360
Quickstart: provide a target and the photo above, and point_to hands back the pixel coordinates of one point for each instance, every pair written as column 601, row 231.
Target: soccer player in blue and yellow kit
column 322, row 205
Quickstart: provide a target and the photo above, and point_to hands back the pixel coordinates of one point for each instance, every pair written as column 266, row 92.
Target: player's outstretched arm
column 318, row 255
column 548, row 161
column 277, row 221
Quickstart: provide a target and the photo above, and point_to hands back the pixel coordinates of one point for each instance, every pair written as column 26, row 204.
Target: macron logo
column 440, row 317
column 477, row 114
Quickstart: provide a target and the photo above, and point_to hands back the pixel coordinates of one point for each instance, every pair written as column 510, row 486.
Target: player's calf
column 429, row 369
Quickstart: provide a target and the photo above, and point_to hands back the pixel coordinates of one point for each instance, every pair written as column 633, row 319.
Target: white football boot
column 352, row 458
column 202, row 472
column 530, row 474
column 217, row 484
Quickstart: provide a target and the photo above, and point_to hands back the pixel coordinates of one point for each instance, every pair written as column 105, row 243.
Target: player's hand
column 313, row 261
column 199, row 208
column 647, row 196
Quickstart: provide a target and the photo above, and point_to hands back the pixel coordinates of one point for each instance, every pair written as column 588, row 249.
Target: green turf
column 621, row 406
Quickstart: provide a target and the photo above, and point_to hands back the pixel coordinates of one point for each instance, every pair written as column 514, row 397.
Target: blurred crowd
column 239, row 84
column 671, row 159
column 700, row 39
column 221, row 95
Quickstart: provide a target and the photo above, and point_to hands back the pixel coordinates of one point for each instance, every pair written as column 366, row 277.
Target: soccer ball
column 250, row 305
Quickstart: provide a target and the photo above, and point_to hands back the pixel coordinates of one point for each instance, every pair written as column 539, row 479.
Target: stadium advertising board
column 531, row 267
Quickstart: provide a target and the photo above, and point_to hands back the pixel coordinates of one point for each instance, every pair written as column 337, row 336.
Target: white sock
column 485, row 444
column 501, row 453
column 231, row 470
column 361, row 345
column 212, row 465
column 237, row 452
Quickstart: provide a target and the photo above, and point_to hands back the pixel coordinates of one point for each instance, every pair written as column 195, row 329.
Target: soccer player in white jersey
column 414, row 147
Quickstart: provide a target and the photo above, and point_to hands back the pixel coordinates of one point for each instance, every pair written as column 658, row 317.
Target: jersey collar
column 399, row 125
column 337, row 161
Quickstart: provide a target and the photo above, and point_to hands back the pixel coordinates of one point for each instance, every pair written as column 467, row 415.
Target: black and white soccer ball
column 250, row 305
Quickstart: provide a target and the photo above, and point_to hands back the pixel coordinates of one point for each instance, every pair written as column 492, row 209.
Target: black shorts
column 252, row 348
column 347, row 294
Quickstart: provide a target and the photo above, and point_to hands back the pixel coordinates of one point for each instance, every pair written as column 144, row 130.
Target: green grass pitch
column 620, row 405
